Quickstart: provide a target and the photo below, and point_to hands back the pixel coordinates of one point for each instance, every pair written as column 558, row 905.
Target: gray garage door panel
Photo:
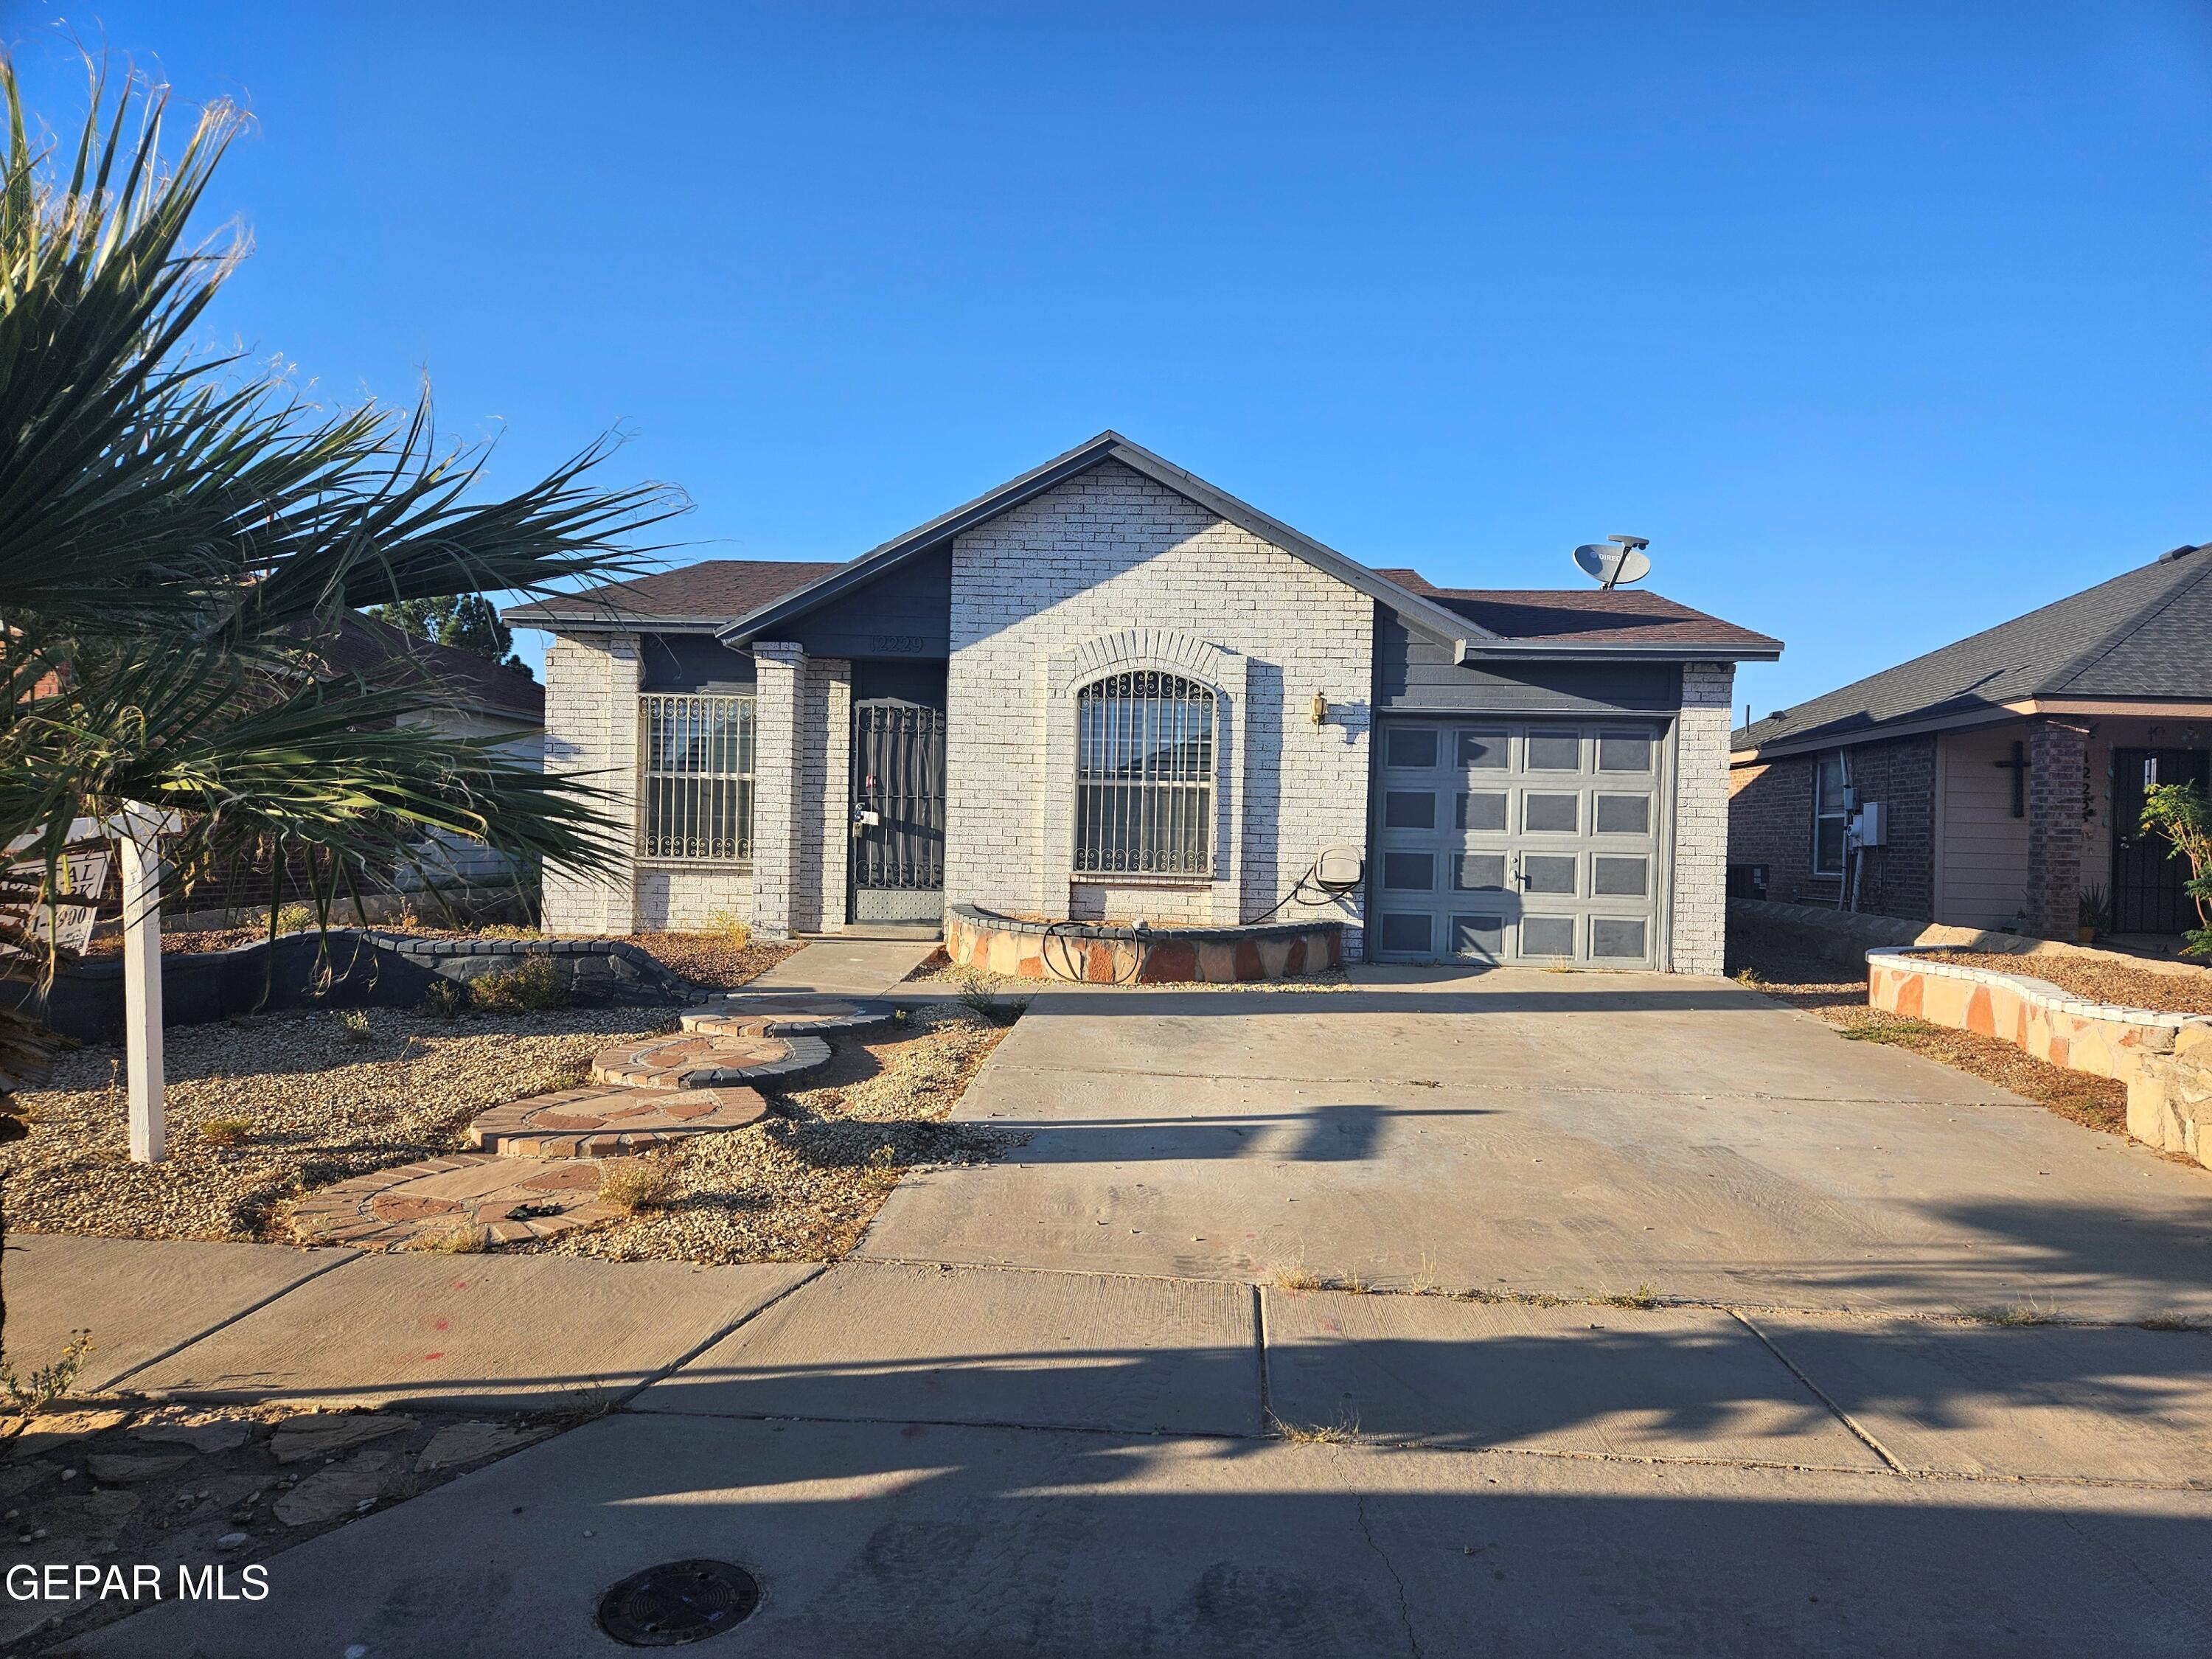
column 1519, row 842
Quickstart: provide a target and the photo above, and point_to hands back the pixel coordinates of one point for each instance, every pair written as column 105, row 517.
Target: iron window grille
column 697, row 798
column 1143, row 776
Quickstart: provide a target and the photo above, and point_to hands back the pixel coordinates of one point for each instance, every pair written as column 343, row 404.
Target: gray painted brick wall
column 1700, row 853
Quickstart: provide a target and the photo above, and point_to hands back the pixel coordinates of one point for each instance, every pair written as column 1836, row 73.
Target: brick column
column 777, row 762
column 1701, row 819
column 2057, row 777
column 590, row 734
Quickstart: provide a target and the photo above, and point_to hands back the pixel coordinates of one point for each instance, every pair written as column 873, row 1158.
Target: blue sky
column 1882, row 323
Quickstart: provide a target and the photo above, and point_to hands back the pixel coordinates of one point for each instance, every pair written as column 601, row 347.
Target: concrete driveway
column 1577, row 1135
column 1062, row 1405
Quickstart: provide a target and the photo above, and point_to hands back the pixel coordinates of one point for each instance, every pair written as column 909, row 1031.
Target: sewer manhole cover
column 677, row 1601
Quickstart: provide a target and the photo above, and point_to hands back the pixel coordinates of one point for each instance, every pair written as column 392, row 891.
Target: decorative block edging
column 1106, row 953
column 2101, row 1038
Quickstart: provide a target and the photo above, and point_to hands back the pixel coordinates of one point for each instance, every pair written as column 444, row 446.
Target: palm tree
column 178, row 530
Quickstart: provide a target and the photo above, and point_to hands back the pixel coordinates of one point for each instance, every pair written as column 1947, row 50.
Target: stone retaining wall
column 1101, row 954
column 2034, row 1015
column 2170, row 1097
column 365, row 969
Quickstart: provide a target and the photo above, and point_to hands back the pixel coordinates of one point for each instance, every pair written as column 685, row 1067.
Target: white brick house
column 1107, row 689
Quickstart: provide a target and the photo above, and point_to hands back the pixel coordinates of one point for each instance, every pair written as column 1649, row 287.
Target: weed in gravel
column 976, row 991
column 637, row 1183
column 1423, row 1278
column 882, row 1168
column 532, row 986
column 1353, row 1283
column 446, row 999
column 1751, row 979
column 462, row 1240
column 1342, row 1432
column 226, row 1131
column 727, row 927
column 1642, row 1297
column 295, row 918
column 1897, row 1033
column 49, row 1383
column 354, row 1026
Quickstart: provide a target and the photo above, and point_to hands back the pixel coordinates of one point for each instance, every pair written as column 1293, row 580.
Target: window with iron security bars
column 697, row 795
column 1143, row 776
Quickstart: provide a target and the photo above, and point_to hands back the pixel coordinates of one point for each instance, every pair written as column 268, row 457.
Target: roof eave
column 1693, row 652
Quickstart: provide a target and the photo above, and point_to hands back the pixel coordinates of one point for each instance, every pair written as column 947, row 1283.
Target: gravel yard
column 261, row 1110
column 803, row 1184
column 2097, row 978
column 1831, row 992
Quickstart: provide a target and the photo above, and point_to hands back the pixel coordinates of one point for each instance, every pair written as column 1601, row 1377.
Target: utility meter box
column 1339, row 867
column 1871, row 827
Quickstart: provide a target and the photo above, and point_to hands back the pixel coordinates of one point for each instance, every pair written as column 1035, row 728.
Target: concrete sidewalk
column 846, row 966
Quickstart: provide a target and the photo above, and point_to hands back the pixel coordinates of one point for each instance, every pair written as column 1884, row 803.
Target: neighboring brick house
column 1107, row 689
column 2010, row 767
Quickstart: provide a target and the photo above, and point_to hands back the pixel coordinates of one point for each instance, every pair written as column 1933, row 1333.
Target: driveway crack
column 1405, row 1611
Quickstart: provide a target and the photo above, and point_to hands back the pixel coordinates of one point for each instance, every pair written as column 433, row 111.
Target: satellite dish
column 1615, row 560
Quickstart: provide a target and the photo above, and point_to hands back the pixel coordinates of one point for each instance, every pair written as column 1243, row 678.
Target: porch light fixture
column 1320, row 709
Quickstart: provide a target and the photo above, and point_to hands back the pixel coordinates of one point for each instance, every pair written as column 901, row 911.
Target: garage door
column 1534, row 842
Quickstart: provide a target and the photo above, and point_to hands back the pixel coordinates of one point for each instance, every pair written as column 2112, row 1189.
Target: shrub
column 295, row 918
column 637, row 1183
column 532, row 986
column 2183, row 814
column 48, row 1382
column 727, row 927
column 226, row 1131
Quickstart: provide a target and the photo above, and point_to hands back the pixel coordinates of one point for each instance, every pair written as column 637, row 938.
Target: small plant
column 2182, row 812
column 882, row 1168
column 2011, row 1313
column 1423, row 1278
column 1642, row 1297
column 446, row 999
column 1295, row 1275
column 295, row 918
column 1342, row 1432
column 1353, row 1283
column 1751, row 979
column 2175, row 1322
column 1897, row 1033
column 462, row 1240
column 226, row 1131
column 354, row 1026
column 49, row 1383
column 531, row 987
column 976, row 991
column 637, row 1183
column 727, row 927
column 2095, row 911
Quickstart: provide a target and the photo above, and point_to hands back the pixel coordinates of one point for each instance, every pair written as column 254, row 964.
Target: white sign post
column 137, row 829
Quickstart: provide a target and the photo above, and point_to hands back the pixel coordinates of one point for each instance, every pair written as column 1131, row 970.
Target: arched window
column 1143, row 776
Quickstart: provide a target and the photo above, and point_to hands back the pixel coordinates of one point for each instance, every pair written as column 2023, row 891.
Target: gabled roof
column 697, row 597
column 1572, row 618
column 2145, row 636
column 362, row 645
column 1419, row 613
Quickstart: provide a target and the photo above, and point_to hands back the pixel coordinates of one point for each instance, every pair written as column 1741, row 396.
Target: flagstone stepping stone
column 49, row 1432
column 321, row 1434
column 511, row 1199
column 469, row 1443
column 342, row 1489
column 690, row 1060
column 610, row 1122
column 214, row 1434
column 765, row 1014
column 120, row 1469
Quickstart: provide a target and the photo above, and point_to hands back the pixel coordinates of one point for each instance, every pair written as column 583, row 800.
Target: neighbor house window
column 696, row 797
column 1143, row 776
column 1831, row 779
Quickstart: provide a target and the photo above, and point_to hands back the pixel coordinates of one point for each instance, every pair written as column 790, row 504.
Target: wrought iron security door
column 2147, row 896
column 898, row 811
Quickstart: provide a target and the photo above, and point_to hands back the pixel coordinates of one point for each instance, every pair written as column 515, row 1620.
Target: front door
column 1504, row 842
column 2147, row 896
column 898, row 811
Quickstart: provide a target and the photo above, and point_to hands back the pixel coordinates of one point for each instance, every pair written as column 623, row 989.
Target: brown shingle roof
column 713, row 591
column 1584, row 616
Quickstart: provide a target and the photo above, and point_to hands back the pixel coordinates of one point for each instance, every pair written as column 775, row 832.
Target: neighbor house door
column 1508, row 841
column 898, row 811
column 2147, row 896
